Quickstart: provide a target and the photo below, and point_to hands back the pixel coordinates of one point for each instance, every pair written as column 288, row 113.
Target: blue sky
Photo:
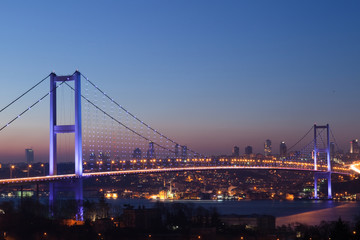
column 210, row 74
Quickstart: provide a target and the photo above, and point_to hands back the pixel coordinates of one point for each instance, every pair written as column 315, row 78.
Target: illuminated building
column 92, row 160
column 184, row 152
column 151, row 151
column 176, row 150
column 29, row 153
column 248, row 150
column 332, row 149
column 104, row 161
column 354, row 146
column 236, row 151
column 283, row 149
column 267, row 147
column 137, row 154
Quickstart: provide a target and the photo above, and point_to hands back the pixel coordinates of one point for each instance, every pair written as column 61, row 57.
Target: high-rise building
column 151, row 151
column 184, row 152
column 236, row 151
column 176, row 150
column 332, row 149
column 104, row 161
column 137, row 154
column 29, row 154
column 92, row 160
column 283, row 149
column 248, row 150
column 267, row 147
column 354, row 146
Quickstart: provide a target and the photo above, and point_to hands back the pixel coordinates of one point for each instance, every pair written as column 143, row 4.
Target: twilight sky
column 209, row 74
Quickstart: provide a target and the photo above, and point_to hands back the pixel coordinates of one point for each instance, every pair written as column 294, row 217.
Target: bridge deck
column 153, row 170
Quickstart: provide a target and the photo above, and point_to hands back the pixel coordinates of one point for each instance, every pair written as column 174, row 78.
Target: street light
column 29, row 167
column 43, row 166
column 12, row 167
column 111, row 166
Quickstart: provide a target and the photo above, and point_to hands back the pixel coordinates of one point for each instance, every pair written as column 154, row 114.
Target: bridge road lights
column 122, row 164
column 43, row 167
column 12, row 167
column 28, row 169
column 111, row 166
column 133, row 164
column 144, row 161
column 100, row 165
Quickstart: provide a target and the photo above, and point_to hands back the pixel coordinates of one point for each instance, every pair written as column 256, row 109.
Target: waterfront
column 310, row 212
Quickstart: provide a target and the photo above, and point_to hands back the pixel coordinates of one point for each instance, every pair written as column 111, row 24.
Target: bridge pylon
column 327, row 174
column 58, row 129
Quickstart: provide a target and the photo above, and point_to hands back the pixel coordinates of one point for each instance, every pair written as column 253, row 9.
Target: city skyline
column 209, row 75
column 180, row 119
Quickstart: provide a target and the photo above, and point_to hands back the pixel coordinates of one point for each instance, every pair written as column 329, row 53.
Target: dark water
column 269, row 207
column 310, row 212
column 305, row 211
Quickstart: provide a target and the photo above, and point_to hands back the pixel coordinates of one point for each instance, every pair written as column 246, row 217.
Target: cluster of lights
column 111, row 195
column 135, row 171
column 355, row 167
column 200, row 160
column 231, row 162
column 237, row 160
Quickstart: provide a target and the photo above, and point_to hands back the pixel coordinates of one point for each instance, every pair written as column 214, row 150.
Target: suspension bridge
column 108, row 140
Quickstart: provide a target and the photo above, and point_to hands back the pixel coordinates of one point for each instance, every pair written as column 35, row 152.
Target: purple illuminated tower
column 327, row 174
column 57, row 129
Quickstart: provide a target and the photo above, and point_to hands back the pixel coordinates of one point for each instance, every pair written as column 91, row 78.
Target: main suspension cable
column 128, row 128
column 24, row 93
column 300, row 139
column 30, row 107
column 148, row 126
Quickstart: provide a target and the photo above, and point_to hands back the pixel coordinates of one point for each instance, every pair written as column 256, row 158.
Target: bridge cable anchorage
column 301, row 139
column 132, row 115
column 131, row 130
column 27, row 109
column 42, row 80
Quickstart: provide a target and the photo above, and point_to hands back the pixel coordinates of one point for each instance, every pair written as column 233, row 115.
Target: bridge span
column 355, row 167
column 105, row 132
column 39, row 179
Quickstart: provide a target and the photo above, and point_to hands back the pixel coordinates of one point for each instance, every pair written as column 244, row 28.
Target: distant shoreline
column 346, row 212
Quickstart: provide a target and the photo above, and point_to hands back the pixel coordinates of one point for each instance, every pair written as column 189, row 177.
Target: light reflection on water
column 347, row 211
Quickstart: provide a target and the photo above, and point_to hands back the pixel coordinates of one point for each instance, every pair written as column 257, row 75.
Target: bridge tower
column 327, row 174
column 58, row 129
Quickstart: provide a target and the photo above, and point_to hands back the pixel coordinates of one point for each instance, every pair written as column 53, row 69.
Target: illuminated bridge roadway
column 355, row 166
column 338, row 170
column 108, row 118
